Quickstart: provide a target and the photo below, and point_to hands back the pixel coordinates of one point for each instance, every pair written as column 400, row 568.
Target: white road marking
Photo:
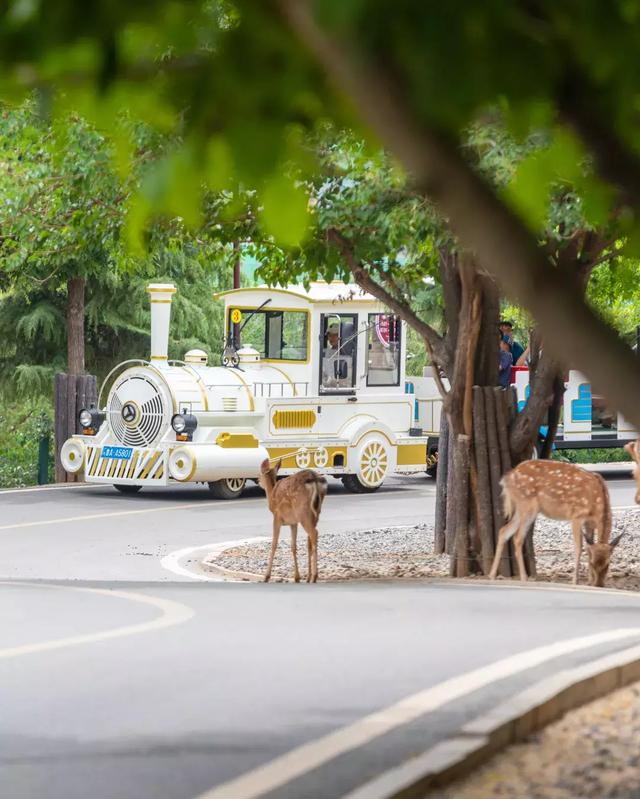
column 171, row 613
column 171, row 562
column 311, row 755
column 202, row 504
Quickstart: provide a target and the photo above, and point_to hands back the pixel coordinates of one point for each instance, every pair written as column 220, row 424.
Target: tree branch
column 485, row 226
column 432, row 339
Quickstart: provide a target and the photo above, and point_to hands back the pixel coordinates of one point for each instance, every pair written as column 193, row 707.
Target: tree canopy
column 240, row 82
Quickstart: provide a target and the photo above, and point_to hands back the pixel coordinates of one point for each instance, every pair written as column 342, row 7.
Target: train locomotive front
column 168, row 420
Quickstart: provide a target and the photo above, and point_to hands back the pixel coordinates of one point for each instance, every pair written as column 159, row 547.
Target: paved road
column 119, row 681
column 95, row 533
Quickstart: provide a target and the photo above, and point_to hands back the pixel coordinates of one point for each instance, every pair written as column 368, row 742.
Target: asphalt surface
column 122, row 680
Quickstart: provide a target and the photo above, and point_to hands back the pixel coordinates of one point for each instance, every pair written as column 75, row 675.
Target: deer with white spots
column 633, row 448
column 564, row 492
column 294, row 500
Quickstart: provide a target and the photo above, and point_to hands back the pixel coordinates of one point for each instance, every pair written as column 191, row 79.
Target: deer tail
column 507, row 501
column 317, row 492
column 604, row 531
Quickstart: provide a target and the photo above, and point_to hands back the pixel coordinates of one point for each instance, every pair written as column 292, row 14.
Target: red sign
column 386, row 329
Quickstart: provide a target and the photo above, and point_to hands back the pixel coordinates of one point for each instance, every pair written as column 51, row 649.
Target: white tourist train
column 308, row 377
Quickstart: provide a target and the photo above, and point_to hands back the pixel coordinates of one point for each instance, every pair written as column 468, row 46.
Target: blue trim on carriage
column 523, row 402
column 581, row 407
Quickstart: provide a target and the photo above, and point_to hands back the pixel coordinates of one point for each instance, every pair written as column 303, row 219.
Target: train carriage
column 308, row 377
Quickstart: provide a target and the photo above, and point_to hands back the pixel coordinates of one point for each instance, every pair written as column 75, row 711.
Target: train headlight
column 184, row 425
column 91, row 420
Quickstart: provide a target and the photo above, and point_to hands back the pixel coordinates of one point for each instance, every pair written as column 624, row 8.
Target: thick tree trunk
column 75, row 325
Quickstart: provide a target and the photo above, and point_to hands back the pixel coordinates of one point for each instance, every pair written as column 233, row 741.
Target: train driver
column 337, row 370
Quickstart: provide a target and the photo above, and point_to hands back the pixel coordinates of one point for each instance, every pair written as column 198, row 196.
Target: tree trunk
column 75, row 325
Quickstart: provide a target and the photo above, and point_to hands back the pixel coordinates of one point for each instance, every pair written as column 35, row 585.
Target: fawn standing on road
column 563, row 492
column 633, row 449
column 294, row 500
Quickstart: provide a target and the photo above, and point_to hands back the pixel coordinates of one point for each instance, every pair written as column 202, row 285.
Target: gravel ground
column 408, row 552
column 591, row 752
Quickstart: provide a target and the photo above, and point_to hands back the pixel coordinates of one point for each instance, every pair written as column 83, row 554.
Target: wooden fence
column 71, row 394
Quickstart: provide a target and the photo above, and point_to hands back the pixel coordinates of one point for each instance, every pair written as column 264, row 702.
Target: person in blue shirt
column 506, row 329
column 506, row 362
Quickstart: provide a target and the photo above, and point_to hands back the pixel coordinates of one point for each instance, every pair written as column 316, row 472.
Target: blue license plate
column 119, row 453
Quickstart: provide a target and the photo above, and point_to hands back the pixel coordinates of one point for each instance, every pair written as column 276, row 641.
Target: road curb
column 508, row 723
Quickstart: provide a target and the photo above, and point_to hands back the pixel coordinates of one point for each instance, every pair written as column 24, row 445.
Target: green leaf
column 285, row 214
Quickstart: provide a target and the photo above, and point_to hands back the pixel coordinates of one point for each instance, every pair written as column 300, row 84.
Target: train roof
column 318, row 292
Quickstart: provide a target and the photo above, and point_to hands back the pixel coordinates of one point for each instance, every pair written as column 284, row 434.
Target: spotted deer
column 563, row 492
column 633, row 448
column 294, row 500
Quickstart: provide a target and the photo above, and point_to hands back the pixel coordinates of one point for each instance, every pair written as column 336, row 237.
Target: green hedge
column 22, row 425
column 596, row 455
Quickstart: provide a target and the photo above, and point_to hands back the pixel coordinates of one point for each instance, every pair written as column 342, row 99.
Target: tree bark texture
column 459, row 560
column 441, row 487
column 75, row 325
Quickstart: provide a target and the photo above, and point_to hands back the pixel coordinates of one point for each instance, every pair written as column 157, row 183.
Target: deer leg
column 294, row 552
column 503, row 536
column 309, row 557
column 518, row 543
column 274, row 546
column 576, row 529
column 313, row 537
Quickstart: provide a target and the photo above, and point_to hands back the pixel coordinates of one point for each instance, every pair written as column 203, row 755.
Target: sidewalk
column 592, row 752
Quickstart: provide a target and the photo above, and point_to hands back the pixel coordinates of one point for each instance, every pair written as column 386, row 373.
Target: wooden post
column 495, row 471
column 485, row 510
column 60, row 405
column 72, row 393
column 450, row 525
column 441, row 486
column 459, row 560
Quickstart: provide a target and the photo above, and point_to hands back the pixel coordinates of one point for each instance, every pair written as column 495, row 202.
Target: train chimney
column 160, row 295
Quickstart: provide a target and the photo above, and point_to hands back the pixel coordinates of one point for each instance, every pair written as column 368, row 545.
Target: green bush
column 22, row 425
column 596, row 455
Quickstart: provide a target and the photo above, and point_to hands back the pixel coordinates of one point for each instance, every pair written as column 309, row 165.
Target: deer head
column 267, row 477
column 599, row 557
column 633, row 448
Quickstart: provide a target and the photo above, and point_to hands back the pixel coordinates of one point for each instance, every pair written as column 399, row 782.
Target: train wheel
column 125, row 488
column 352, row 483
column 229, row 488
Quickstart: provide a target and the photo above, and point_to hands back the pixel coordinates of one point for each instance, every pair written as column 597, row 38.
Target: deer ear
column 615, row 541
column 265, row 466
column 588, row 537
column 632, row 449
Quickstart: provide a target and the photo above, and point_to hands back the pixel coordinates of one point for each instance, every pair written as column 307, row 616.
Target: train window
column 338, row 355
column 278, row 335
column 383, row 350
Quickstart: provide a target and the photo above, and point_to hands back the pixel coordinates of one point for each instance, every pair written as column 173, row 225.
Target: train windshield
column 278, row 335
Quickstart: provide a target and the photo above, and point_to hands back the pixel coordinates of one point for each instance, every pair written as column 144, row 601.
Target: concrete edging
column 509, row 722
